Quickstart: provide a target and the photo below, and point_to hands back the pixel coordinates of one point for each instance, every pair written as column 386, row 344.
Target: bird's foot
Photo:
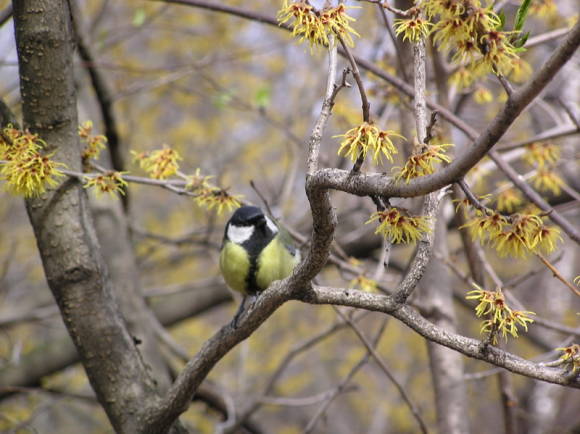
column 247, row 302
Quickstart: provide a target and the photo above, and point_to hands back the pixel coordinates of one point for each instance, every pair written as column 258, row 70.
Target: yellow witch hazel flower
column 364, row 284
column 198, row 181
column 541, row 154
column 472, row 32
column 545, row 9
column 546, row 179
column 368, row 138
column 545, row 239
column 423, row 163
column 501, row 318
column 31, row 175
column 499, row 52
column 160, row 164
column 337, row 20
column 529, row 234
column 509, row 198
column 485, row 225
column 396, row 225
column 482, row 95
column 210, row 196
column 520, row 71
column 571, row 356
column 218, row 199
column 94, row 144
column 27, row 171
column 462, row 78
column 510, row 243
column 413, row 29
column 315, row 26
column 111, row 182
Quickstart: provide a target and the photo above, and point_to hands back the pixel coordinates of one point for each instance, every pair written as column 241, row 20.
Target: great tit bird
column 254, row 253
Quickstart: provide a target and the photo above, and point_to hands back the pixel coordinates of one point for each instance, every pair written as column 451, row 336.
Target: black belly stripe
column 251, row 281
column 254, row 246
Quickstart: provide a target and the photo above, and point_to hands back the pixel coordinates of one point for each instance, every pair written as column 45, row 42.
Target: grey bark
column 446, row 365
column 63, row 226
column 111, row 226
column 60, row 353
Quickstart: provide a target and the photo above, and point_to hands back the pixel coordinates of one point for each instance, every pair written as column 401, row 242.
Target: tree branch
column 464, row 345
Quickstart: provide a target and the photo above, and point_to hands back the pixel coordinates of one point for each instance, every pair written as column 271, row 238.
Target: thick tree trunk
column 61, row 218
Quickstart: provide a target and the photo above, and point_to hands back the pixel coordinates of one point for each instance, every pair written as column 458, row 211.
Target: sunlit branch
column 467, row 346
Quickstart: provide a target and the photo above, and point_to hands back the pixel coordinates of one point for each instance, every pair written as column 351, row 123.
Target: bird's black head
column 248, row 216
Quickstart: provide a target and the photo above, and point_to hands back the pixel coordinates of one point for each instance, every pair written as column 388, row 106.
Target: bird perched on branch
column 254, row 253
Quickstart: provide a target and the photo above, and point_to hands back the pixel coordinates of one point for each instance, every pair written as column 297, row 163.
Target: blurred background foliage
column 237, row 99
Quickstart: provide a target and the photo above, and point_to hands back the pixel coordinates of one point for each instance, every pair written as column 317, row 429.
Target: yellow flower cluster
column 396, row 225
column 542, row 154
column 364, row 284
column 544, row 157
column 160, row 164
column 26, row 170
column 93, row 144
column 501, row 318
column 111, row 182
column 571, row 356
column 423, row 163
column 509, row 198
column 482, row 95
column 210, row 196
column 315, row 26
column 413, row 29
column 545, row 9
column 517, row 236
column 472, row 32
column 368, row 138
column 218, row 199
column 546, row 179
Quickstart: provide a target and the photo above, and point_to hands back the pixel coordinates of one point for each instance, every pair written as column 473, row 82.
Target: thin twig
column 557, row 274
column 363, row 95
column 385, row 5
column 283, row 365
column 506, row 85
column 327, row 104
column 383, row 366
column 342, row 386
column 551, row 134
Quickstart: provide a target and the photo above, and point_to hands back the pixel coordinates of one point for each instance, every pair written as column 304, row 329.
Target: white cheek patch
column 271, row 225
column 240, row 234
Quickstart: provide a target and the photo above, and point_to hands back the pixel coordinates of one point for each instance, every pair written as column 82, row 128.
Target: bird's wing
column 286, row 238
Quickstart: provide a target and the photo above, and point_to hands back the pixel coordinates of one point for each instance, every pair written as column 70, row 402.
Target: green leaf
column 262, row 97
column 223, row 99
column 522, row 14
column 501, row 16
column 139, row 17
column 522, row 41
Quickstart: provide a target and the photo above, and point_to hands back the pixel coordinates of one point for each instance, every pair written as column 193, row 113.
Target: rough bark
column 111, row 226
column 60, row 353
column 63, row 227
